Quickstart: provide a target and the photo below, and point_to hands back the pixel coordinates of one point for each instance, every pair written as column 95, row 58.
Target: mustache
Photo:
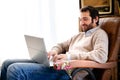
column 84, row 25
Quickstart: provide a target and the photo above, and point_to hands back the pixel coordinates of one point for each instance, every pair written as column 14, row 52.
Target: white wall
column 55, row 20
column 67, row 12
column 12, row 24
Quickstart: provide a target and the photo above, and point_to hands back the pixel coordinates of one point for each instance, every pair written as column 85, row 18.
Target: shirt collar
column 89, row 32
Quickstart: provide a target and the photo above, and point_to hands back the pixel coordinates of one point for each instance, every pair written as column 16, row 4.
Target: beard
column 86, row 27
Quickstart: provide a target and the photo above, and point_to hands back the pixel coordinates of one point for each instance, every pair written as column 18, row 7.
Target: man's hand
column 56, row 56
column 52, row 53
column 60, row 57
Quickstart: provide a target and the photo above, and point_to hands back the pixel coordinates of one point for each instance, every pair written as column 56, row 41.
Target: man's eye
column 84, row 19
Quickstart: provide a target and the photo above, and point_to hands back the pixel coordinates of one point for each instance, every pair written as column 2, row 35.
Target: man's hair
column 93, row 12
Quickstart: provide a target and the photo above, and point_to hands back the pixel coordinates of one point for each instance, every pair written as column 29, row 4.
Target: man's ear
column 95, row 20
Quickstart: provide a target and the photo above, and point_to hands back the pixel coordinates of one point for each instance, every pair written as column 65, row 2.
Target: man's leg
column 34, row 71
column 9, row 62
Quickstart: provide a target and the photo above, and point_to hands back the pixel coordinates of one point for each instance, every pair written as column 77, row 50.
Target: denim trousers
column 30, row 70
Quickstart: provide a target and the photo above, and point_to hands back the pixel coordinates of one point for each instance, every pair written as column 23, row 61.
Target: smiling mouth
column 84, row 26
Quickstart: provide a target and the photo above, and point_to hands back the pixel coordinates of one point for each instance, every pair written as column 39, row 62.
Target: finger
column 51, row 58
column 48, row 55
column 55, row 58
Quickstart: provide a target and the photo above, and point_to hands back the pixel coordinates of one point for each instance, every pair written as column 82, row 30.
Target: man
column 90, row 44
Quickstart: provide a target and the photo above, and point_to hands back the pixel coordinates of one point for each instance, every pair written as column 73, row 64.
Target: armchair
column 108, row 70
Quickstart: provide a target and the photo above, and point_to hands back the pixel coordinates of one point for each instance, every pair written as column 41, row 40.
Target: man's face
column 86, row 22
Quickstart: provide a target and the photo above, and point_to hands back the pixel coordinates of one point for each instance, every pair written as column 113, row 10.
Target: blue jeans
column 30, row 70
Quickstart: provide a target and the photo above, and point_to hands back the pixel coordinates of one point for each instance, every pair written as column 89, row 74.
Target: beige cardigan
column 92, row 47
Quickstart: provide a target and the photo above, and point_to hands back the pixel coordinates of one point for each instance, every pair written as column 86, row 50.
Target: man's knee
column 14, row 71
column 13, row 68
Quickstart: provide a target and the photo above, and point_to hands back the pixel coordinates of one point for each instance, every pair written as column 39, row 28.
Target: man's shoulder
column 101, row 32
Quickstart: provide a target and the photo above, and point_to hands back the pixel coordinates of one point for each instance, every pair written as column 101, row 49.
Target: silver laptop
column 37, row 49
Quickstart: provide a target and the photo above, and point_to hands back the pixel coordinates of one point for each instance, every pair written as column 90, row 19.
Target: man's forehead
column 84, row 14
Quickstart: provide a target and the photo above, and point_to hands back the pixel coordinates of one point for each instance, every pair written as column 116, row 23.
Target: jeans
column 30, row 70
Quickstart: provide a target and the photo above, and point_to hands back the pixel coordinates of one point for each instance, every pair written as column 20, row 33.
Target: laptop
column 37, row 50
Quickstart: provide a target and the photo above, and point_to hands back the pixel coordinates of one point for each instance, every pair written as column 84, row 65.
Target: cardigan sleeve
column 62, row 47
column 65, row 46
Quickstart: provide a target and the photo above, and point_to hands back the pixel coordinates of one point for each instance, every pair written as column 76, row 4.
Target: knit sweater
column 90, row 45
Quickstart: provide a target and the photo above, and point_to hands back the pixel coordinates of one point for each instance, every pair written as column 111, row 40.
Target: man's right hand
column 52, row 54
